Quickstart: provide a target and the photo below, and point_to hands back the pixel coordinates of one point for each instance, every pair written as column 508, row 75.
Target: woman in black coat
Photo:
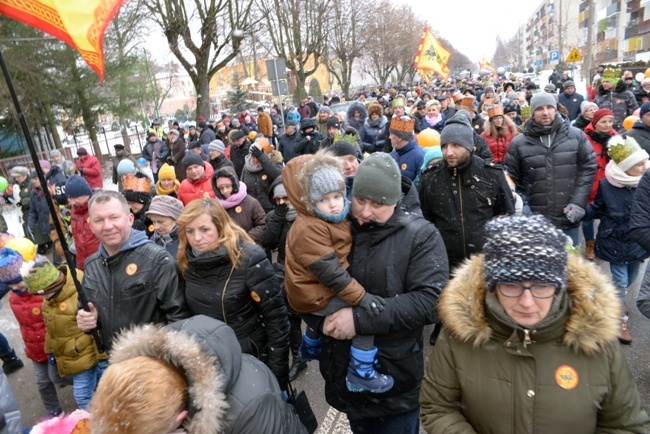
column 229, row 278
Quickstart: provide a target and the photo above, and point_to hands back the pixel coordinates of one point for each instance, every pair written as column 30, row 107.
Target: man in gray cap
column 462, row 192
column 552, row 165
column 399, row 256
column 67, row 166
column 218, row 159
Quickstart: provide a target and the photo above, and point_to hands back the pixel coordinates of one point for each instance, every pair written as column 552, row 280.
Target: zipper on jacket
column 483, row 195
column 462, row 216
column 527, row 339
column 223, row 295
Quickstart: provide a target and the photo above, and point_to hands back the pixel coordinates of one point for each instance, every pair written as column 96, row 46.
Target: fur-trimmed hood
column 208, row 353
column 508, row 128
column 593, row 321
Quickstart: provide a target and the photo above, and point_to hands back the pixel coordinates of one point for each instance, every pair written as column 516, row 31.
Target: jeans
column 5, row 348
column 623, row 275
column 405, row 423
column 47, row 376
column 84, row 385
column 643, row 299
column 574, row 234
column 588, row 229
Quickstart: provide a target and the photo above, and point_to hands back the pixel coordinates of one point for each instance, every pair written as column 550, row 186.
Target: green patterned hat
column 398, row 102
column 625, row 152
column 39, row 274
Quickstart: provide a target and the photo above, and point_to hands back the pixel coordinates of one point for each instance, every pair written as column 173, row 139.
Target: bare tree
column 346, row 40
column 221, row 26
column 382, row 50
column 297, row 30
column 409, row 35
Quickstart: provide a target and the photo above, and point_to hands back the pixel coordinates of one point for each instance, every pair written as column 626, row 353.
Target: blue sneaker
column 362, row 375
column 310, row 348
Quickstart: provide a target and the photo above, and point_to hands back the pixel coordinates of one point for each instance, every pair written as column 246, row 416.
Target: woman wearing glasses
column 530, row 342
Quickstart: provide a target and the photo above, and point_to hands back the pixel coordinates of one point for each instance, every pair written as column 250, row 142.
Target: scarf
column 433, row 121
column 618, row 178
column 375, row 123
column 334, row 218
column 234, row 199
column 534, row 129
column 252, row 168
column 601, row 138
column 160, row 191
column 291, row 214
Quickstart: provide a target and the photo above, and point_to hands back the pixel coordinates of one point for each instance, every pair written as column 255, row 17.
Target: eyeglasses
column 537, row 290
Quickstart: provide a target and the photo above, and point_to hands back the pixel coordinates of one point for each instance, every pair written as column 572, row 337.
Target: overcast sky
column 473, row 25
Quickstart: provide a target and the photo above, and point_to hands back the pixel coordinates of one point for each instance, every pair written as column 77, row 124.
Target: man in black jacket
column 462, row 192
column 399, row 256
column 553, row 166
column 640, row 233
column 130, row 280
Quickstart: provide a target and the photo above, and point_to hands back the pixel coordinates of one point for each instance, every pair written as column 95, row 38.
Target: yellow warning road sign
column 574, row 56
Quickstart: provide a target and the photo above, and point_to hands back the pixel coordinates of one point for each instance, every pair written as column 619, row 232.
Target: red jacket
column 601, row 159
column 85, row 241
column 190, row 190
column 92, row 170
column 499, row 145
column 28, row 310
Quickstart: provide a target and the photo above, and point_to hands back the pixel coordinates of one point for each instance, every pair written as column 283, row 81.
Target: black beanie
column 458, row 130
column 191, row 159
column 342, row 148
column 77, row 186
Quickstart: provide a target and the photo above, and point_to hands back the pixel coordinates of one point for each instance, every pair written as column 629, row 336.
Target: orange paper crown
column 137, row 183
column 495, row 110
column 468, row 101
column 402, row 125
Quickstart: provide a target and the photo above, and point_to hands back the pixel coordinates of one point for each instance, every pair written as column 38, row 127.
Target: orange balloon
column 629, row 122
column 428, row 138
column 264, row 144
column 647, row 72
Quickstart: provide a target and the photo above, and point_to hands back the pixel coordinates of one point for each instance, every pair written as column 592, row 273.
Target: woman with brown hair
column 498, row 132
column 229, row 278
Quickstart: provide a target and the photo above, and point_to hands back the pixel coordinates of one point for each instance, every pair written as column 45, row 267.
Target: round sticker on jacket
column 256, row 298
column 566, row 377
column 62, row 306
column 238, row 209
column 404, row 166
column 131, row 269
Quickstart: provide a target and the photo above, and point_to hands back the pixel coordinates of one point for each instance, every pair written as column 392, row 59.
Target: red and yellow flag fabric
column 431, row 57
column 79, row 23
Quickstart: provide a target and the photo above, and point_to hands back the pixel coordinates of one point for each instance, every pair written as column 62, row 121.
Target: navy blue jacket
column 409, row 159
column 572, row 103
column 639, row 221
column 613, row 207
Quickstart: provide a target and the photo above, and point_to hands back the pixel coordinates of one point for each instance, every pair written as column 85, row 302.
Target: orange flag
column 431, row 56
column 79, row 23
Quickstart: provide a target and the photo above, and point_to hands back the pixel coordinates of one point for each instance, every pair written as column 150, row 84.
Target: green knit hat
column 625, row 152
column 378, row 179
column 39, row 274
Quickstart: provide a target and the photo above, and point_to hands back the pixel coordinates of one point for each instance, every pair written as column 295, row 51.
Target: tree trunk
column 203, row 95
column 52, row 126
column 299, row 92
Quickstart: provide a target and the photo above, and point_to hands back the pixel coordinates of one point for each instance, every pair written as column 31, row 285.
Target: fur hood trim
column 593, row 323
column 209, row 407
column 276, row 156
column 509, row 128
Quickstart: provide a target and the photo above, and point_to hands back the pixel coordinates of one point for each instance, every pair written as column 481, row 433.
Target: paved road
column 331, row 421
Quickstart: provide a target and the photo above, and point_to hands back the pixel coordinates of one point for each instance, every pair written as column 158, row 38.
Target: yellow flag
column 431, row 56
column 79, row 23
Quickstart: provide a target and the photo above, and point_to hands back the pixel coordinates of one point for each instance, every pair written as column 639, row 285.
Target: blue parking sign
column 554, row 55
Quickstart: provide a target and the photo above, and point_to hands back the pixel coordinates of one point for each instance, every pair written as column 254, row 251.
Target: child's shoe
column 362, row 376
column 310, row 348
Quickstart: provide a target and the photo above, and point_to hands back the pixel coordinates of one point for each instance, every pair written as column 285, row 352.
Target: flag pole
column 48, row 198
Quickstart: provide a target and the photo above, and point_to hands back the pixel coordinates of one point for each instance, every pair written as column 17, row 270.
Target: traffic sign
column 554, row 55
column 574, row 56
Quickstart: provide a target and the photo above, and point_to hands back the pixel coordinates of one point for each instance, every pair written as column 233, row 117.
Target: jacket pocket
column 403, row 360
column 137, row 290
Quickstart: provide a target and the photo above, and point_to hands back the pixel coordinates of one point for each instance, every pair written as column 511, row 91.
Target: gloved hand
column 256, row 150
column 284, row 382
column 373, row 304
column 281, row 210
column 170, row 161
column 81, row 171
column 574, row 213
column 51, row 359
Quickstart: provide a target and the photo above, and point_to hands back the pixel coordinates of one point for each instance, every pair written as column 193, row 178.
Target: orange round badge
column 131, row 269
column 238, row 209
column 404, row 166
column 62, row 306
column 566, row 377
column 151, row 228
column 263, row 177
column 256, row 298
column 36, row 311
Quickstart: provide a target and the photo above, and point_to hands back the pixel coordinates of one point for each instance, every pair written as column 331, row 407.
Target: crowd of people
column 221, row 241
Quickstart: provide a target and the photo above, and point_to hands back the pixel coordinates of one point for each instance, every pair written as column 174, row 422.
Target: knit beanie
column 524, row 249
column 550, row 87
column 77, row 186
column 625, row 152
column 10, row 263
column 279, row 191
column 542, row 99
column 166, row 172
column 166, row 206
column 215, row 145
column 509, row 107
column 341, row 148
column 333, row 122
column 512, row 96
column 39, row 275
column 378, row 179
column 55, row 153
column 458, row 130
column 125, row 166
column 586, row 105
column 569, row 83
column 191, row 159
column 645, row 108
column 324, row 181
column 237, row 134
column 325, row 109
column 45, row 164
column 600, row 113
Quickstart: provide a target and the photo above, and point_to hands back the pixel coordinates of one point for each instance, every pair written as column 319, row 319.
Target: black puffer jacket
column 137, row 285
column 461, row 200
column 247, row 298
column 259, row 183
column 641, row 134
column 404, row 261
column 238, row 156
column 620, row 101
column 308, row 143
column 276, row 230
column 551, row 178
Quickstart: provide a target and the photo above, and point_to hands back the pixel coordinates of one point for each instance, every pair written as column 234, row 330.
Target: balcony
column 613, row 9
column 633, row 5
column 644, row 27
column 631, row 31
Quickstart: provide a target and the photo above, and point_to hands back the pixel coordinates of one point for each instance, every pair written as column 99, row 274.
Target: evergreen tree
column 237, row 99
column 314, row 90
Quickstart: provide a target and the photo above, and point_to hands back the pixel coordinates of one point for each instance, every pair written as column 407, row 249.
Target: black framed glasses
column 537, row 290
